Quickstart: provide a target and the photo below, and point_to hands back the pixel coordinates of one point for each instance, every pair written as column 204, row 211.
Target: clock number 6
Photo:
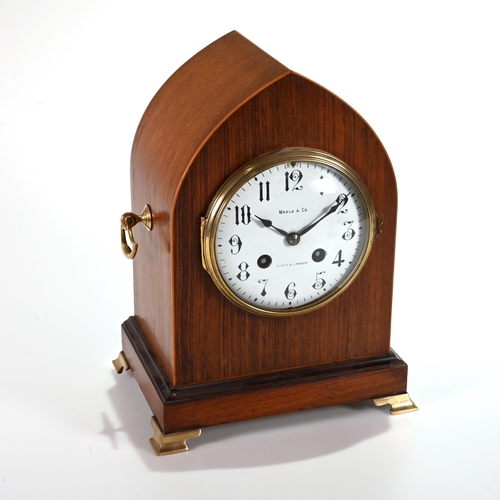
column 290, row 292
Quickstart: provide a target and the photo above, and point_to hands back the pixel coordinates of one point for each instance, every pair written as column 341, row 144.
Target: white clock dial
column 289, row 231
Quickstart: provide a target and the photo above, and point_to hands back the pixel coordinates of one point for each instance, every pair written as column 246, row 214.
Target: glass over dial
column 288, row 232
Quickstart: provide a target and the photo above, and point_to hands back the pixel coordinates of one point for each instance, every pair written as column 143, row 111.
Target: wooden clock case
column 199, row 359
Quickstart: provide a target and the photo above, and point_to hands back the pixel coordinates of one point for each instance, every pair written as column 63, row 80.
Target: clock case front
column 199, row 359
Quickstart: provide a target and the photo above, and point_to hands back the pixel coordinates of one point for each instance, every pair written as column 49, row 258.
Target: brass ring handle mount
column 127, row 221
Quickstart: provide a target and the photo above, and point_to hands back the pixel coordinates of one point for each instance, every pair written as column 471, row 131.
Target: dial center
column 293, row 239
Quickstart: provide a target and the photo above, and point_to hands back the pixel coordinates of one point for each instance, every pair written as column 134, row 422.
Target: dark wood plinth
column 196, row 406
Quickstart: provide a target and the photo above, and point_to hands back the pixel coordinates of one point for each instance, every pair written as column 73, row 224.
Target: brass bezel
column 209, row 224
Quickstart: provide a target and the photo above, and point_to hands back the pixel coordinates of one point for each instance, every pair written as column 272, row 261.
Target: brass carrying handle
column 128, row 220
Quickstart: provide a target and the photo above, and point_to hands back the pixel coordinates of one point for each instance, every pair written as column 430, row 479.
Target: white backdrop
column 75, row 78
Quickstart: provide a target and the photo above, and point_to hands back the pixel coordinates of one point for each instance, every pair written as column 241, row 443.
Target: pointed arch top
column 194, row 101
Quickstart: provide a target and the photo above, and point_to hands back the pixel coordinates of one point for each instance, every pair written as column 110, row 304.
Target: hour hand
column 268, row 223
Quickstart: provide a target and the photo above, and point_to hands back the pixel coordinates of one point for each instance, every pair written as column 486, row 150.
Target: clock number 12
column 294, row 177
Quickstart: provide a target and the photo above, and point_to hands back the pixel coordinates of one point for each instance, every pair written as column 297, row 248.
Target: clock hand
column 340, row 202
column 268, row 223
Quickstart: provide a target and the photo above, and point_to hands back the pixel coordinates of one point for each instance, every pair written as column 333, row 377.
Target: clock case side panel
column 216, row 340
column 180, row 118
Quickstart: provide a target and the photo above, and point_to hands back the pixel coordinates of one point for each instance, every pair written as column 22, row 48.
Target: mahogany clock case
column 199, row 359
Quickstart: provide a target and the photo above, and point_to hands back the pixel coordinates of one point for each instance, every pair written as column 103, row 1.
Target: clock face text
column 291, row 235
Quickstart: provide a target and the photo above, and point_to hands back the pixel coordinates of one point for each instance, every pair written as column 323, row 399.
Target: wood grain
column 181, row 117
column 228, row 104
column 204, row 405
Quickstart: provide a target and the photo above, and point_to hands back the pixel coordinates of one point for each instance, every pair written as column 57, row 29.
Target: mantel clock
column 263, row 252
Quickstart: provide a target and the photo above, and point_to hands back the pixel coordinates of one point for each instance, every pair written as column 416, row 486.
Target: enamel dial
column 288, row 232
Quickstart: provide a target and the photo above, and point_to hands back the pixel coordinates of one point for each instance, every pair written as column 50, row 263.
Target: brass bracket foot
column 400, row 403
column 166, row 444
column 121, row 363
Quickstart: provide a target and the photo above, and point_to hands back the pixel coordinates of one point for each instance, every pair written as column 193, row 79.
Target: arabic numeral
column 295, row 176
column 235, row 242
column 320, row 282
column 338, row 259
column 243, row 275
column 263, row 293
column 264, row 191
column 348, row 235
column 342, row 200
column 290, row 292
column 242, row 214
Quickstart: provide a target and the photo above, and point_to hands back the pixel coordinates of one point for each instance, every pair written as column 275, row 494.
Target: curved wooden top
column 193, row 103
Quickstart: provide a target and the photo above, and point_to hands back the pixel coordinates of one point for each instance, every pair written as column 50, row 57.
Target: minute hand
column 340, row 202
